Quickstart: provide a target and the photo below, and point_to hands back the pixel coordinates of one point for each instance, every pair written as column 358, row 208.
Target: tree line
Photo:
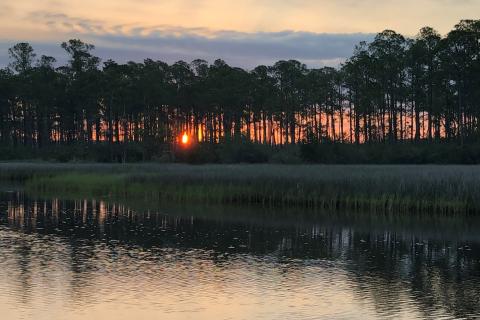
column 395, row 88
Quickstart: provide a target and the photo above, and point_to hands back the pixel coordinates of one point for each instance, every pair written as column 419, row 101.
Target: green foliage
column 395, row 189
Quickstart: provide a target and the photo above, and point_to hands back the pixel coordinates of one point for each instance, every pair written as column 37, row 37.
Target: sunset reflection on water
column 95, row 260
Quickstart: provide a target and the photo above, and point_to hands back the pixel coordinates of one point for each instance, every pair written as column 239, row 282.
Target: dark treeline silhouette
column 392, row 91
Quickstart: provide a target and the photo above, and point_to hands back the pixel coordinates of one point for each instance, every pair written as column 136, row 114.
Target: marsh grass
column 376, row 188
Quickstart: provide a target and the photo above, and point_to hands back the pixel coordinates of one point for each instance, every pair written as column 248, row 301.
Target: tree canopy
column 392, row 89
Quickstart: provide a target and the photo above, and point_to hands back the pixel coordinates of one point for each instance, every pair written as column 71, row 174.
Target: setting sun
column 185, row 138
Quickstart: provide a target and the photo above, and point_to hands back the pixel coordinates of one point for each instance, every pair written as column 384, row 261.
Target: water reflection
column 93, row 260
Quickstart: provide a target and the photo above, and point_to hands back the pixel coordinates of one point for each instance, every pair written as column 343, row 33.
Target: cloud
column 245, row 50
column 172, row 43
column 5, row 10
column 38, row 17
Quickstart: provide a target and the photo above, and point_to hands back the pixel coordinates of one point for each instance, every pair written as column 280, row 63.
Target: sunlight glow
column 185, row 138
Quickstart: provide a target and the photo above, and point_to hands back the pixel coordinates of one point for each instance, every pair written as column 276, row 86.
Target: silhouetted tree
column 392, row 89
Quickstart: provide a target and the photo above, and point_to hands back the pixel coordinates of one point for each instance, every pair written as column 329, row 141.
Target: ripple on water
column 206, row 269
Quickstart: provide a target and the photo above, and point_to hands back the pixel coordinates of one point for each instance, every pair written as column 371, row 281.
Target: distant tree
column 391, row 89
column 23, row 57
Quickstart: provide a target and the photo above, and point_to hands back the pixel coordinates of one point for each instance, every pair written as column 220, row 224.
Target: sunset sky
column 244, row 33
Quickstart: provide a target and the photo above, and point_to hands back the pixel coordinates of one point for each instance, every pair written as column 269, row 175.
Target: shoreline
column 396, row 189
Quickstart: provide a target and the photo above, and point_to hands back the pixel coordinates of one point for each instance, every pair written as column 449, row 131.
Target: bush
column 244, row 151
column 197, row 154
column 286, row 155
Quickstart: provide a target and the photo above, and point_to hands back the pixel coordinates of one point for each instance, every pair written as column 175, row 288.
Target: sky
column 244, row 33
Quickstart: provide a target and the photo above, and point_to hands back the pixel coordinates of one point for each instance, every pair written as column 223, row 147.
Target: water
column 93, row 260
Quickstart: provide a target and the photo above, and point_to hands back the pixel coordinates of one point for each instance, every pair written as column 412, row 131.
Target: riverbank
column 379, row 188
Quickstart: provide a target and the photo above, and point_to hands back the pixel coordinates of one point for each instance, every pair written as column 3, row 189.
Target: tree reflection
column 439, row 272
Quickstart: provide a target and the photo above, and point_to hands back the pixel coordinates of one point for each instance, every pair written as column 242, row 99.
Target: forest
column 395, row 100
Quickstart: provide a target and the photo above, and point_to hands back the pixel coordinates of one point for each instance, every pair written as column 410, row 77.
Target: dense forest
column 393, row 91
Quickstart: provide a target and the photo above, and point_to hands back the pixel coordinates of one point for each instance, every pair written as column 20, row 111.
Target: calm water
column 93, row 260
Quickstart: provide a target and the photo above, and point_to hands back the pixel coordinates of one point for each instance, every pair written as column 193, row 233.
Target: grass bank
column 379, row 188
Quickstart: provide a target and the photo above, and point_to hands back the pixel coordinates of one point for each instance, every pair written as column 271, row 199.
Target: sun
column 185, row 138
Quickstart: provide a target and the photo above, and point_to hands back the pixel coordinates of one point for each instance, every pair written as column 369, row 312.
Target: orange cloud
column 339, row 16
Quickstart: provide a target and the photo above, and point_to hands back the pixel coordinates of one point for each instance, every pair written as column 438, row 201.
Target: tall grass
column 389, row 188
